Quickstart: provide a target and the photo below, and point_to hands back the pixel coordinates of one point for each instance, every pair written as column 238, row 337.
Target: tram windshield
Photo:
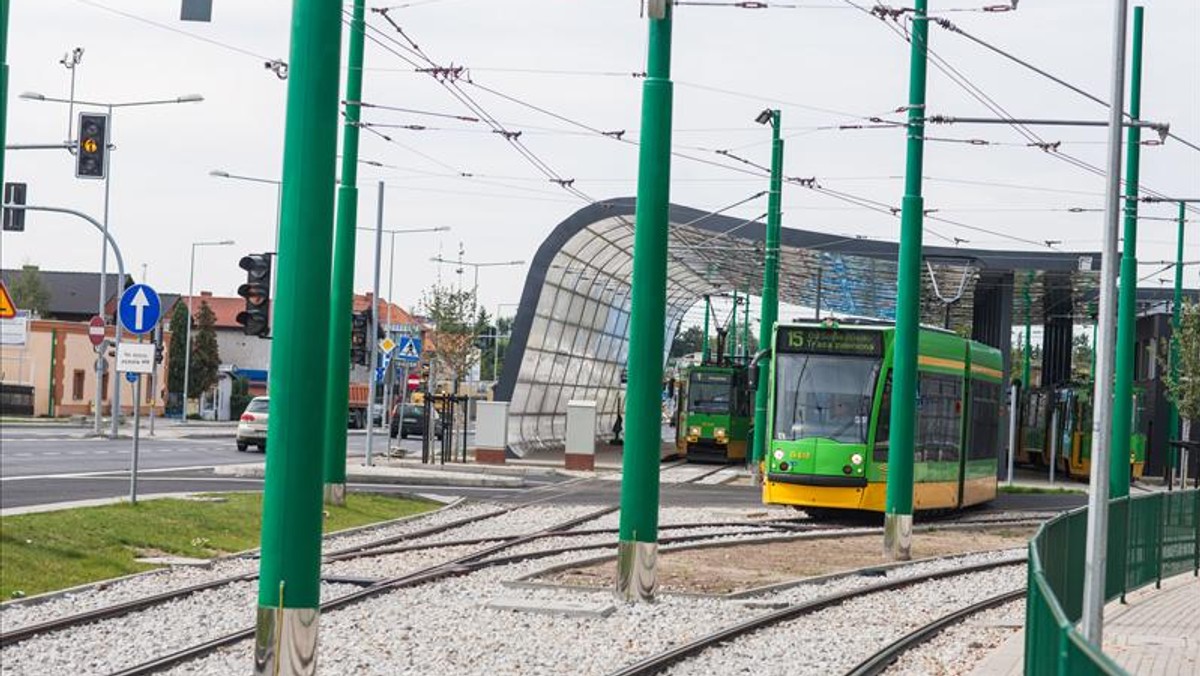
column 710, row 392
column 826, row 396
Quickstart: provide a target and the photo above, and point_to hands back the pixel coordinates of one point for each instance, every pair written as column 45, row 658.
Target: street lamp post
column 109, row 107
column 187, row 350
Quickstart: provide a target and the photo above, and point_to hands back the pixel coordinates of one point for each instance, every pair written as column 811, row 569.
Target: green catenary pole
column 704, row 343
column 769, row 308
column 897, row 536
column 1027, row 367
column 290, row 563
column 733, row 335
column 1173, row 431
column 746, row 325
column 1122, row 422
column 341, row 290
column 636, row 574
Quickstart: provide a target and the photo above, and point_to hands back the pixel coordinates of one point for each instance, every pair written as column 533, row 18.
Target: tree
column 1081, row 357
column 1183, row 385
column 452, row 313
column 175, row 358
column 239, row 397
column 687, row 341
column 205, row 358
column 29, row 292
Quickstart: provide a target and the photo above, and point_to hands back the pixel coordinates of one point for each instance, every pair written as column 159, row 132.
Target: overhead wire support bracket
column 1163, row 128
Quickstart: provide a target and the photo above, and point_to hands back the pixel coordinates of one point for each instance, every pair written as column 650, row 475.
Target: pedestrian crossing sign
column 8, row 309
column 409, row 349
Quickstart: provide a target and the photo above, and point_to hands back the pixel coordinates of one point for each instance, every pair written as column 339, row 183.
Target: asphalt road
column 40, row 465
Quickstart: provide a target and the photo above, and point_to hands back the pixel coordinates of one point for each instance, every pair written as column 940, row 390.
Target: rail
column 1151, row 537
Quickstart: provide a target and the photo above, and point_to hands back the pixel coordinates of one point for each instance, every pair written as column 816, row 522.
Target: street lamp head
column 219, row 173
column 764, row 117
column 226, row 242
column 189, row 98
column 33, row 96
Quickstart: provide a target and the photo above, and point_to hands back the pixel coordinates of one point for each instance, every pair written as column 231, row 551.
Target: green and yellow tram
column 830, row 410
column 716, row 408
column 1074, row 404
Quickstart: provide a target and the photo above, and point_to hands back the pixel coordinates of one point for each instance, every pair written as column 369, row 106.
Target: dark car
column 413, row 422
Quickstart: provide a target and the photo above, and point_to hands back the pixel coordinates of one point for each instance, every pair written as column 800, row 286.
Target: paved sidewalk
column 1158, row 630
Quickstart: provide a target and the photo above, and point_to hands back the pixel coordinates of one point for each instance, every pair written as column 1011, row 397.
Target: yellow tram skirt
column 873, row 497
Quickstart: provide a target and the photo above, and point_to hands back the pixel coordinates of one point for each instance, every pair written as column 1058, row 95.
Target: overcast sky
column 824, row 64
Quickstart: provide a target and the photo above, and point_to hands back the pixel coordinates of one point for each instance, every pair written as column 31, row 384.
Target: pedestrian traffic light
column 360, row 323
column 256, row 318
column 14, row 196
column 158, row 353
column 91, row 156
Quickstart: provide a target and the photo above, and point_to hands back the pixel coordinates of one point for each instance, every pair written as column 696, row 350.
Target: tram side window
column 938, row 418
column 985, row 420
column 883, row 427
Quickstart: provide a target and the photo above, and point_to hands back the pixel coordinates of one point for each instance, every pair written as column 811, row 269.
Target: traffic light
column 360, row 324
column 256, row 318
column 91, row 157
column 14, row 196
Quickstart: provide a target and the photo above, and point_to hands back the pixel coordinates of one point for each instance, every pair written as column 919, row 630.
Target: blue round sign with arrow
column 139, row 309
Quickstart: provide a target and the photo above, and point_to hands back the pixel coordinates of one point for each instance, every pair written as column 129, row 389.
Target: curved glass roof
column 571, row 335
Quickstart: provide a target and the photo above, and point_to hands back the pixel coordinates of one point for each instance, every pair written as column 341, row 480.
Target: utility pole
column 4, row 91
column 341, row 291
column 1122, row 421
column 638, row 539
column 1096, row 552
column 373, row 338
column 897, row 525
column 769, row 309
column 290, row 562
column 704, row 341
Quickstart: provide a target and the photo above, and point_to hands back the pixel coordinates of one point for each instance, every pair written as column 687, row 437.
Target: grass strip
column 54, row 550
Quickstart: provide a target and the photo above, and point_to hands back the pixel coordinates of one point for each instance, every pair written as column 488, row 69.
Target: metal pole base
column 335, row 494
column 285, row 642
column 897, row 537
column 637, row 570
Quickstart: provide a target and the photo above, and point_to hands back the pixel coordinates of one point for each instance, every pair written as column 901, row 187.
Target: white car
column 252, row 426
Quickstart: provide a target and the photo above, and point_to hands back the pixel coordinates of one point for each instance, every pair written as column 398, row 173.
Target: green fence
column 1151, row 537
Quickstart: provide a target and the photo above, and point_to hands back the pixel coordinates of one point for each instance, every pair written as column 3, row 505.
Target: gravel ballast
column 957, row 650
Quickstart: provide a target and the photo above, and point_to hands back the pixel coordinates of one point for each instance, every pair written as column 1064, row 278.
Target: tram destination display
column 818, row 340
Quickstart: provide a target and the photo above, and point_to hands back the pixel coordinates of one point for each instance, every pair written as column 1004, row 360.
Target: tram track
column 879, row 662
column 661, row 662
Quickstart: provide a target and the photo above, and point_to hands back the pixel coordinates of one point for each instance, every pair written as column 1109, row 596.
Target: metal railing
column 1151, row 537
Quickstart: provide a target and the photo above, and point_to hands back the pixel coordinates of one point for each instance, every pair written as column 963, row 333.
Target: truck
column 358, row 405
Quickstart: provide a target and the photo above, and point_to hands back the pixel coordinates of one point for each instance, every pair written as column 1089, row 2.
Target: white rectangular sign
column 136, row 357
column 15, row 331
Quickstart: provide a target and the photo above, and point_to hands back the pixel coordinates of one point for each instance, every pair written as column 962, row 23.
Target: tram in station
column 715, row 409
column 1068, row 435
column 829, row 412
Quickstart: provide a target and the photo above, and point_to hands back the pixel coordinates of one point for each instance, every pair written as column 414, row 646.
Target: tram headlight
column 719, row 433
column 778, row 454
column 693, row 433
column 856, row 459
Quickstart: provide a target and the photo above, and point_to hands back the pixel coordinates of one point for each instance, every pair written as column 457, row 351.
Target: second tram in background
column 715, row 410
column 829, row 413
column 1071, row 440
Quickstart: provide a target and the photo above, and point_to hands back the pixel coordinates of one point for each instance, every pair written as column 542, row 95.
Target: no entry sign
column 96, row 330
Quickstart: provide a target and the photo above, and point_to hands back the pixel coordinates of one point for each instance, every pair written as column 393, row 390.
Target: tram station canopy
column 571, row 334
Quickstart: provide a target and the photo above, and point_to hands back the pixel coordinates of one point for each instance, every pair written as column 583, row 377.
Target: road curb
column 424, row 478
